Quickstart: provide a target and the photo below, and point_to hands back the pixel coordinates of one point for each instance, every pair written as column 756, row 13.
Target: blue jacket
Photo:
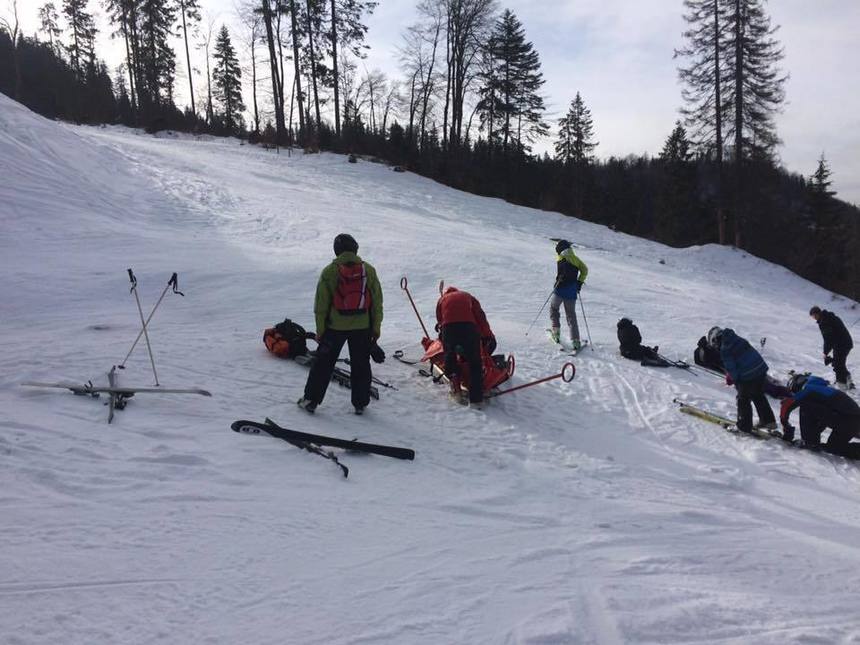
column 741, row 361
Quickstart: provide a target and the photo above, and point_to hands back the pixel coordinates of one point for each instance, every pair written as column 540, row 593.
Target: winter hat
column 624, row 322
column 815, row 311
column 345, row 243
column 714, row 336
column 561, row 246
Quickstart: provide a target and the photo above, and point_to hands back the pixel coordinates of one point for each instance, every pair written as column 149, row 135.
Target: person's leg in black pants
column 359, row 363
column 325, row 359
column 840, row 369
column 465, row 336
column 762, row 405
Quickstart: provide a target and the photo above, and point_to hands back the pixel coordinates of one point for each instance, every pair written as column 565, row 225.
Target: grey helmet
column 714, row 334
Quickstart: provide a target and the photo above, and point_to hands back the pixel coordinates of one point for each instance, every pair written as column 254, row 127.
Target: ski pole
column 404, row 284
column 539, row 313
column 143, row 322
column 173, row 282
column 568, row 371
column 584, row 318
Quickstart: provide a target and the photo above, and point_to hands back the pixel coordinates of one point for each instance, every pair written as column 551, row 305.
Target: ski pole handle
column 174, row 282
column 132, row 279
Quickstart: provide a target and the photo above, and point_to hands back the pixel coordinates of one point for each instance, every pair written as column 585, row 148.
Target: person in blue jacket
column 746, row 369
column 821, row 407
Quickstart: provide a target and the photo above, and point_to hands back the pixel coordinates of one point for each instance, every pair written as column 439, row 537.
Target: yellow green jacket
column 327, row 317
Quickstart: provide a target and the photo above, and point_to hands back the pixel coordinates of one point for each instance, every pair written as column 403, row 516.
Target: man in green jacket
column 571, row 273
column 348, row 310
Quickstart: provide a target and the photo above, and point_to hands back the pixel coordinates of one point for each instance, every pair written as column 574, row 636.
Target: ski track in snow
column 587, row 512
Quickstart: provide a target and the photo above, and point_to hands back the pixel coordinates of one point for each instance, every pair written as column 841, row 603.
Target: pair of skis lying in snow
column 314, row 443
column 731, row 426
column 118, row 396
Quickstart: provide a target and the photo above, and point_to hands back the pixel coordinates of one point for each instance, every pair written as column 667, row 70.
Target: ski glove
column 377, row 353
column 581, row 285
column 828, row 359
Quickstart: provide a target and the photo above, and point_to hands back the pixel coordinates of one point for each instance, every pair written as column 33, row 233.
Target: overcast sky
column 618, row 55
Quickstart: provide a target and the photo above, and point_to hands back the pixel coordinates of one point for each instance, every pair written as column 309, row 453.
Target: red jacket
column 460, row 306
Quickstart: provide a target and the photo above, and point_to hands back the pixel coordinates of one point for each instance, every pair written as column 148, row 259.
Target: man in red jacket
column 463, row 328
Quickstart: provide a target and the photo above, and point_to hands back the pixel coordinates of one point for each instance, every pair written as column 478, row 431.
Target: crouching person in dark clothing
column 747, row 370
column 348, row 310
column 463, row 328
column 822, row 407
column 631, row 345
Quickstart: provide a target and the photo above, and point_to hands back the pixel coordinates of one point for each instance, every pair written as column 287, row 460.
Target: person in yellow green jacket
column 570, row 276
column 348, row 310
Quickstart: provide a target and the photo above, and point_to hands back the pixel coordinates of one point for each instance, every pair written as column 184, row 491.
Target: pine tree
column 574, row 145
column 347, row 31
column 227, row 78
column 705, row 104
column 754, row 82
column 677, row 146
column 157, row 59
column 83, row 33
column 819, row 181
column 511, row 81
column 49, row 20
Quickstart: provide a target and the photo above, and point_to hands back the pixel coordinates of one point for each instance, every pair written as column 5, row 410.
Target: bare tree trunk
column 254, row 79
column 298, row 72
column 447, row 85
column 739, row 124
column 313, row 61
column 187, row 56
column 273, row 64
column 335, row 69
column 721, row 219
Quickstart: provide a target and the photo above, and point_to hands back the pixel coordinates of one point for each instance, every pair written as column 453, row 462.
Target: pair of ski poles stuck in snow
column 144, row 332
column 584, row 317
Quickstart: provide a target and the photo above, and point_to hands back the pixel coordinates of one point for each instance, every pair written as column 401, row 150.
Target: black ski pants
column 464, row 340
column 330, row 346
column 840, row 356
column 751, row 393
column 843, row 428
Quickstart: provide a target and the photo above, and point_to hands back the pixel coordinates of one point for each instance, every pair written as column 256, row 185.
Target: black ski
column 270, row 428
column 340, row 376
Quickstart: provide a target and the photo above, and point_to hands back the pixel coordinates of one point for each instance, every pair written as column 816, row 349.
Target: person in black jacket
column 839, row 341
column 632, row 347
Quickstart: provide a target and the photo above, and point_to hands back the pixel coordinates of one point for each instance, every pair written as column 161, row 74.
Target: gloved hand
column 581, row 285
column 828, row 359
column 377, row 353
column 489, row 343
column 787, row 433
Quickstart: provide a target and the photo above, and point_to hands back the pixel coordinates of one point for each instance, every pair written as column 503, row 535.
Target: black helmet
column 561, row 246
column 624, row 322
column 796, row 382
column 345, row 243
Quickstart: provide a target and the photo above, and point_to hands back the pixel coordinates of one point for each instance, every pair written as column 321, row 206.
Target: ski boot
column 555, row 335
column 307, row 405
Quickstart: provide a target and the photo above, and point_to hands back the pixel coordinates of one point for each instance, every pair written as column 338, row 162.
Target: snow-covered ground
column 588, row 512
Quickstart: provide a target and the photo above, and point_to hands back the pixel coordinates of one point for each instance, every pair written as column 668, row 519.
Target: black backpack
column 295, row 335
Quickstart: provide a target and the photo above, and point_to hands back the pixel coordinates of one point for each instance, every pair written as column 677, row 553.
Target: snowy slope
column 589, row 512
